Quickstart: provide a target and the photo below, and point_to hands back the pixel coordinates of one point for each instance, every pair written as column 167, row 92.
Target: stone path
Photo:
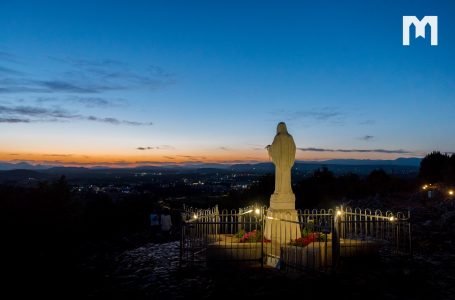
column 152, row 272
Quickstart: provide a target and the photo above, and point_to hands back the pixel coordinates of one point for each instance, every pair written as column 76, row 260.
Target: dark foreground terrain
column 151, row 271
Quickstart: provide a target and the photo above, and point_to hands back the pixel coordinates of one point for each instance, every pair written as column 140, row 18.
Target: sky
column 149, row 82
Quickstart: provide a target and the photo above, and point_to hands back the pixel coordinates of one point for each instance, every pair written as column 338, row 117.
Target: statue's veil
column 283, row 148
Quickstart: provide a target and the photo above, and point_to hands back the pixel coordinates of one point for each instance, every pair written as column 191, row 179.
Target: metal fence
column 308, row 239
column 213, row 236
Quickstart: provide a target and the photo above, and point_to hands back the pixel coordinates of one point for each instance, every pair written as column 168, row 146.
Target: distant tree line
column 437, row 167
column 324, row 189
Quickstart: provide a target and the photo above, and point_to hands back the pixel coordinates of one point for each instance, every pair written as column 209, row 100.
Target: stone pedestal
column 282, row 202
column 282, row 225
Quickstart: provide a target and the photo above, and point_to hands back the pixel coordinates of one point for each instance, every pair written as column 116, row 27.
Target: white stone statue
column 282, row 224
column 282, row 153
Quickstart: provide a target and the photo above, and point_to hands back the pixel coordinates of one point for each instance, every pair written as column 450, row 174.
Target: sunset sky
column 146, row 82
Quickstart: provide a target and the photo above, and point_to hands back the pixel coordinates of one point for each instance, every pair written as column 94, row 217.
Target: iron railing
column 308, row 239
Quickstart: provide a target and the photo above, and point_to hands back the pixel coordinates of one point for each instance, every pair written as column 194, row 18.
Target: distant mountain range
column 25, row 172
column 402, row 161
column 408, row 162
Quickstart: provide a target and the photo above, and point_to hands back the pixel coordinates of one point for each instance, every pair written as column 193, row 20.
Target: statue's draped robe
column 282, row 152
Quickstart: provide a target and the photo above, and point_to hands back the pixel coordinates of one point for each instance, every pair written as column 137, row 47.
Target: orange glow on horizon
column 172, row 157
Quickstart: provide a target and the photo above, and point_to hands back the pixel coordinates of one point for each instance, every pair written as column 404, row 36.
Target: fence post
column 409, row 233
column 336, row 237
column 182, row 242
column 263, row 236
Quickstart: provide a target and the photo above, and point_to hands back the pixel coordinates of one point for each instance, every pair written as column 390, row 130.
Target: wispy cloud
column 9, row 71
column 115, row 121
column 330, row 115
column 9, row 57
column 14, row 120
column 28, row 114
column 81, row 62
column 35, row 111
column 367, row 122
column 58, row 155
column 52, row 86
column 84, row 82
column 87, row 101
column 366, row 137
column 162, row 147
column 85, row 76
column 117, row 73
column 193, row 158
column 398, row 151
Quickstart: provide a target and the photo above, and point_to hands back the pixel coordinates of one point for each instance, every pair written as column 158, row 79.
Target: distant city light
column 425, row 187
column 451, row 192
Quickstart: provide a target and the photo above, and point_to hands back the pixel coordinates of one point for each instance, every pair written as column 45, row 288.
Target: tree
column 435, row 167
column 378, row 180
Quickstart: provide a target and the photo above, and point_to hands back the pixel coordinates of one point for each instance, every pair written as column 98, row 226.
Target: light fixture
column 392, row 218
column 257, row 211
column 339, row 213
column 451, row 192
column 424, row 187
column 195, row 216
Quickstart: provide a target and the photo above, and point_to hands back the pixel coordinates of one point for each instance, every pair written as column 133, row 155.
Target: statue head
column 281, row 128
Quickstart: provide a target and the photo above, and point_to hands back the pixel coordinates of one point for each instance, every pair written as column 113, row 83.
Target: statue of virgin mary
column 282, row 153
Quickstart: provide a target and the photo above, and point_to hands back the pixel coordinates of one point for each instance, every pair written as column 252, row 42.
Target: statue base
column 282, row 225
column 282, row 201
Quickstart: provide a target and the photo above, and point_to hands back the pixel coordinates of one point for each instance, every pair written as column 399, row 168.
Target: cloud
column 34, row 111
column 399, row 151
column 224, row 148
column 367, row 137
column 115, row 121
column 81, row 62
column 158, row 71
column 325, row 114
column 87, row 101
column 162, row 147
column 9, row 71
column 169, row 157
column 58, row 155
column 6, row 56
column 25, row 85
column 63, row 86
column 85, row 76
column 367, row 122
column 118, row 73
column 193, row 158
column 16, row 114
column 13, row 120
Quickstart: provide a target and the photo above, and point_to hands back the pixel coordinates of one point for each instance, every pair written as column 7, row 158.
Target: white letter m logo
column 420, row 28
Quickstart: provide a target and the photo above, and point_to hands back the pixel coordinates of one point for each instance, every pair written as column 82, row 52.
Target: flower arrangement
column 254, row 236
column 308, row 238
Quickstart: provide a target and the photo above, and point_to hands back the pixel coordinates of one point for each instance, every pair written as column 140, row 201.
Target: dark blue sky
column 82, row 79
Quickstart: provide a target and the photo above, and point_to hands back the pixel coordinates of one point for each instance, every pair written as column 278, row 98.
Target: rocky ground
column 152, row 271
